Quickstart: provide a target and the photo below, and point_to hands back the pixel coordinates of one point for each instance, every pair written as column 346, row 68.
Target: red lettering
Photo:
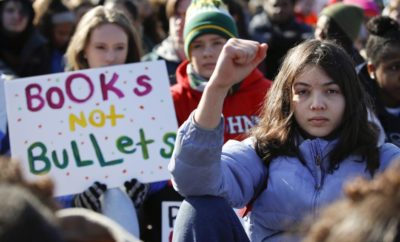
column 141, row 80
column 49, row 95
column 106, row 87
column 30, row 97
column 68, row 89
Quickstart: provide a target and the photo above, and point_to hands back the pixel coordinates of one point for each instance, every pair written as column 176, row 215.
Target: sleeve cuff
column 193, row 122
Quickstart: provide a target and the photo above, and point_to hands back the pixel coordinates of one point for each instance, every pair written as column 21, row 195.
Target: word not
column 96, row 113
column 55, row 96
column 40, row 160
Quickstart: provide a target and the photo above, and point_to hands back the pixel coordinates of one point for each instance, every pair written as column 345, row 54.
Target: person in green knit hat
column 208, row 17
column 348, row 18
column 208, row 27
column 341, row 22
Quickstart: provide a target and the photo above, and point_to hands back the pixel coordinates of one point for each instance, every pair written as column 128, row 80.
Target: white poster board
column 106, row 124
column 169, row 211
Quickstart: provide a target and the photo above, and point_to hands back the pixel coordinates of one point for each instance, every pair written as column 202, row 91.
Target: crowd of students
column 303, row 107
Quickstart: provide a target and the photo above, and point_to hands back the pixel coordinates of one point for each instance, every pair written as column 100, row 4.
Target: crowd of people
column 279, row 103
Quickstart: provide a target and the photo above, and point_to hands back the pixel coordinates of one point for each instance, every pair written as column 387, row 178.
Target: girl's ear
column 371, row 70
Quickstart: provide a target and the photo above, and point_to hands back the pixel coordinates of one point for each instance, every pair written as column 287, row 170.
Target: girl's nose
column 110, row 56
column 318, row 102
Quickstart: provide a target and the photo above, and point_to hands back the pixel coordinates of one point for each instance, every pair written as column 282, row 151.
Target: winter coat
column 200, row 166
column 32, row 59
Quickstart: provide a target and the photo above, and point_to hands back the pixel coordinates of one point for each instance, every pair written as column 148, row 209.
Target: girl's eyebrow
column 301, row 84
column 308, row 85
column 105, row 43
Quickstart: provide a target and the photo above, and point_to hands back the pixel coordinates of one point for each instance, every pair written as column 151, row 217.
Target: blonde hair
column 91, row 20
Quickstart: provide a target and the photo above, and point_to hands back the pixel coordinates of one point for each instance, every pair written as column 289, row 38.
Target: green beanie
column 349, row 17
column 207, row 17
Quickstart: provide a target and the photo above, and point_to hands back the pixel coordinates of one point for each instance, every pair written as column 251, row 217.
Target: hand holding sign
column 137, row 191
column 90, row 197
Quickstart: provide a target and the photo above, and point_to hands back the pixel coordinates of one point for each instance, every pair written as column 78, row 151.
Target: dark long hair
column 277, row 130
column 26, row 7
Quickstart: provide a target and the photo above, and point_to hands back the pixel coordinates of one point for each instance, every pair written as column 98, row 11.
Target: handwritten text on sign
column 106, row 124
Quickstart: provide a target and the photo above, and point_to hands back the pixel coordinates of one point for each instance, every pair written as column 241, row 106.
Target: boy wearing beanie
column 207, row 17
column 207, row 28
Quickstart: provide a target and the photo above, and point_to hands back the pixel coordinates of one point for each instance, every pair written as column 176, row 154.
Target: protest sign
column 106, row 124
column 169, row 211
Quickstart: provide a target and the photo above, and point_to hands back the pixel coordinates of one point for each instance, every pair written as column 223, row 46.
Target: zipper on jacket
column 318, row 162
column 317, row 186
column 320, row 178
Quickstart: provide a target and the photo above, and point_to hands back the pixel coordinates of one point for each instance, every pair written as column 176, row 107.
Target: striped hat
column 207, row 17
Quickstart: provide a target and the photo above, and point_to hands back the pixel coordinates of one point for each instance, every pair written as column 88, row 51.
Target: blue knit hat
column 207, row 17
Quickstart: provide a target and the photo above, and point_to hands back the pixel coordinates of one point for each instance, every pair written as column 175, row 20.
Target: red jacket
column 241, row 109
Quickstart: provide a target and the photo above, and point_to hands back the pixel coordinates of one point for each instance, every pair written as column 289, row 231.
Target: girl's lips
column 318, row 121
